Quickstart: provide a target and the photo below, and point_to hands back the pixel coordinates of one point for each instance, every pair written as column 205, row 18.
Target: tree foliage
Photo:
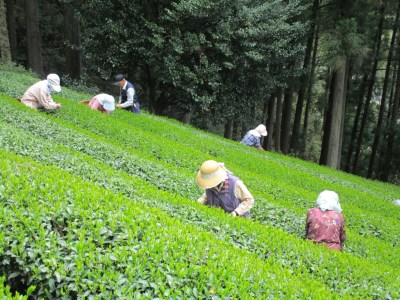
column 207, row 56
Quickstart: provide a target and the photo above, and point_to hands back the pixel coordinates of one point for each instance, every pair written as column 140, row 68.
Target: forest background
column 322, row 75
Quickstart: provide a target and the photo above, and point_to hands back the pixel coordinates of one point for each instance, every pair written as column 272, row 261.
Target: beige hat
column 211, row 174
column 54, row 81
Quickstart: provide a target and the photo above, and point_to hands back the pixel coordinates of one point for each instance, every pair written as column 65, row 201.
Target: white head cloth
column 328, row 200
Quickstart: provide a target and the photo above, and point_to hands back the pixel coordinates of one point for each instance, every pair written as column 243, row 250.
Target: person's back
column 325, row 223
column 224, row 196
column 34, row 93
column 326, row 227
column 250, row 140
column 223, row 190
column 252, row 137
column 38, row 95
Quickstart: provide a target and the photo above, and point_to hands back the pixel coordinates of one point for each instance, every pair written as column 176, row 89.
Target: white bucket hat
column 211, row 174
column 328, row 200
column 261, row 129
column 107, row 101
column 54, row 81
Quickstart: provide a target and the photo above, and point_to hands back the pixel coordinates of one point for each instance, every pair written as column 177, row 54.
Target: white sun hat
column 107, row 101
column 261, row 129
column 54, row 81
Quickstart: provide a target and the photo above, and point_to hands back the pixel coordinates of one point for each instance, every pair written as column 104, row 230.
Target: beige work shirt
column 242, row 193
column 38, row 96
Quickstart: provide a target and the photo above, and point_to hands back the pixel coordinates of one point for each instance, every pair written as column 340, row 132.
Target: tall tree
column 5, row 51
column 356, row 121
column 348, row 83
column 377, row 48
column 151, row 14
column 392, row 126
column 379, row 130
column 344, row 27
column 270, row 122
column 309, row 92
column 228, row 129
column 304, row 79
column 330, row 81
column 73, row 59
column 278, row 119
column 286, row 118
column 12, row 31
column 34, row 47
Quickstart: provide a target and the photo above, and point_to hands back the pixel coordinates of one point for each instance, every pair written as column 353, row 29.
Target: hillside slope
column 78, row 177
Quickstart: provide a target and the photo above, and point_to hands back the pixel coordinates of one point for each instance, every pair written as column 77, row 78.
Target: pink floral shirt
column 326, row 227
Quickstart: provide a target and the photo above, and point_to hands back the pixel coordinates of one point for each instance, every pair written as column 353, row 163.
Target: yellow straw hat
column 210, row 175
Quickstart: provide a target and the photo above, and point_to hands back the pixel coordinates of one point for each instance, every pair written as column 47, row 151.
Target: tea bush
column 104, row 206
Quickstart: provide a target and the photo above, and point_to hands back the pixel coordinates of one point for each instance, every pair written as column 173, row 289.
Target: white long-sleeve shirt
column 130, row 94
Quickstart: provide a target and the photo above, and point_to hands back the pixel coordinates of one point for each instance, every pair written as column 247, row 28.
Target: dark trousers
column 135, row 109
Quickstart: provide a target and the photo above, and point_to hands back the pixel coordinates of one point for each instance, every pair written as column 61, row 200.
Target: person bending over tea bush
column 38, row 96
column 102, row 102
column 252, row 137
column 223, row 190
column 325, row 223
column 128, row 98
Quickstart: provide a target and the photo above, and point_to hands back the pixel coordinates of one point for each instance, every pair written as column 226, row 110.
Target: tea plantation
column 98, row 206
